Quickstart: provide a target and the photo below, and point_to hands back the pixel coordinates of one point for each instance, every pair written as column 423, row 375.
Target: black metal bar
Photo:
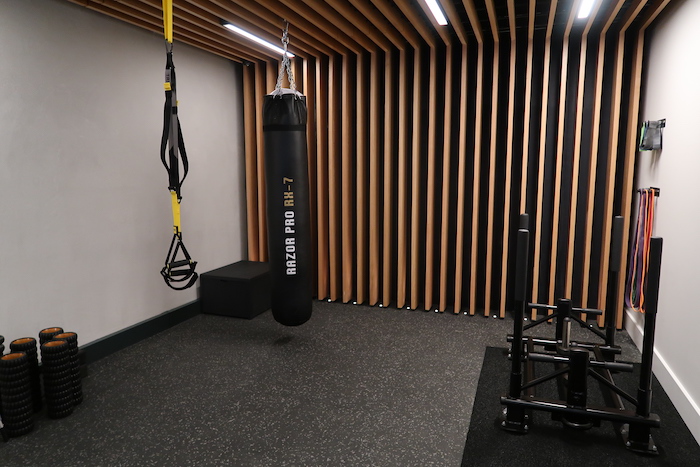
column 600, row 413
column 544, row 306
column 613, row 278
column 543, row 341
column 524, row 221
column 616, row 246
column 551, row 358
column 542, row 379
column 652, row 301
column 537, row 322
column 639, row 438
column 519, row 311
column 605, row 378
column 611, row 392
column 515, row 418
column 590, row 327
column 563, row 312
column 529, row 369
column 577, row 389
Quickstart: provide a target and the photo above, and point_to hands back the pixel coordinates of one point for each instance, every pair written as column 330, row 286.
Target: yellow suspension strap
column 178, row 274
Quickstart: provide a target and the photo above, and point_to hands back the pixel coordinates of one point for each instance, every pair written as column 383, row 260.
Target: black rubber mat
column 548, row 443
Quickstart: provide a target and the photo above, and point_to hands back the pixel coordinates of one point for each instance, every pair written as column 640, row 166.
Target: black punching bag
column 288, row 218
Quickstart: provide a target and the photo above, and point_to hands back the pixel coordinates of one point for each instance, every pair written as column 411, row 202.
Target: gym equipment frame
column 575, row 361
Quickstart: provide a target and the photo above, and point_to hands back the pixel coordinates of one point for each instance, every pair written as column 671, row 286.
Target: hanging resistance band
column 178, row 274
column 639, row 254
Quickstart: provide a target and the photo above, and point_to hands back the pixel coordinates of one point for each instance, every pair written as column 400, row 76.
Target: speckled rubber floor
column 354, row 386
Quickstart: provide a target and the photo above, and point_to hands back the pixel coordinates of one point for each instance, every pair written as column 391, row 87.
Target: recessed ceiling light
column 437, row 12
column 255, row 38
column 584, row 10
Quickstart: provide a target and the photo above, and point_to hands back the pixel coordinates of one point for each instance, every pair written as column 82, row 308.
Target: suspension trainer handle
column 179, row 274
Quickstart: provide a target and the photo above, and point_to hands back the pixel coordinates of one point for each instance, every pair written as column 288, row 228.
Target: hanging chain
column 286, row 65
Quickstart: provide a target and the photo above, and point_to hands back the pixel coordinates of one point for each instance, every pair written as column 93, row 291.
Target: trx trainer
column 178, row 274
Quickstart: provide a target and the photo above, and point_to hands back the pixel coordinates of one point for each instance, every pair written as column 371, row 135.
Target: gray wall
column 672, row 92
column 85, row 219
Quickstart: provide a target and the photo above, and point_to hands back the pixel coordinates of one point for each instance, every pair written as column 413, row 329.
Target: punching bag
column 288, row 217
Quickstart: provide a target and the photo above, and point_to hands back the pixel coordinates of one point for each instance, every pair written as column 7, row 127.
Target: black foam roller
column 288, row 217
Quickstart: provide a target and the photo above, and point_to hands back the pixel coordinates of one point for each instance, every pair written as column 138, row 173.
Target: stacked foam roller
column 20, row 379
column 72, row 339
column 58, row 380
column 28, row 346
column 16, row 394
column 47, row 334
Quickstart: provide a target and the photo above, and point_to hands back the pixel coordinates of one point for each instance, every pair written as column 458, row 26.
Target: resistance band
column 639, row 254
column 178, row 274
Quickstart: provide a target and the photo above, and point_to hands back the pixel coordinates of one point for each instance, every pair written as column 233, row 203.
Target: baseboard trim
column 684, row 403
column 119, row 340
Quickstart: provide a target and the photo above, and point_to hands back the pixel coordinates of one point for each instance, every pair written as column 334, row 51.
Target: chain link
column 285, row 65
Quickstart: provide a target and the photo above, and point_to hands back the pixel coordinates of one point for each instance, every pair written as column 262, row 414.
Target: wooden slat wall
column 476, row 174
column 386, row 223
column 416, row 166
column 509, row 153
column 539, row 207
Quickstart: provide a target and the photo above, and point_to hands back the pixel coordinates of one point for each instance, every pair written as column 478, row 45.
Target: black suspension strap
column 179, row 274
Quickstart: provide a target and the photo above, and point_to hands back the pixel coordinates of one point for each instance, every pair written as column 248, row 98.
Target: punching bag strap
column 178, row 274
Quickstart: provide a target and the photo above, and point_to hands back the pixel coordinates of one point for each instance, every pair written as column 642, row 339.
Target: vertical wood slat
column 461, row 187
column 446, row 166
column 616, row 107
column 415, row 176
column 595, row 138
column 443, row 238
column 542, row 153
column 333, row 174
column 260, row 75
column 322, row 235
column 309, row 89
column 628, row 171
column 416, row 200
column 461, row 183
column 387, row 240
column 402, row 161
column 374, row 156
column 360, row 187
column 388, row 9
column 461, row 119
column 345, row 219
column 271, row 76
column 527, row 107
column 490, row 7
column 560, row 153
column 251, row 184
column 474, row 20
column 578, row 136
column 429, row 193
column 509, row 157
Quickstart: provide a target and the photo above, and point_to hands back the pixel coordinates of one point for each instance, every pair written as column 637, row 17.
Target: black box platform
column 241, row 290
